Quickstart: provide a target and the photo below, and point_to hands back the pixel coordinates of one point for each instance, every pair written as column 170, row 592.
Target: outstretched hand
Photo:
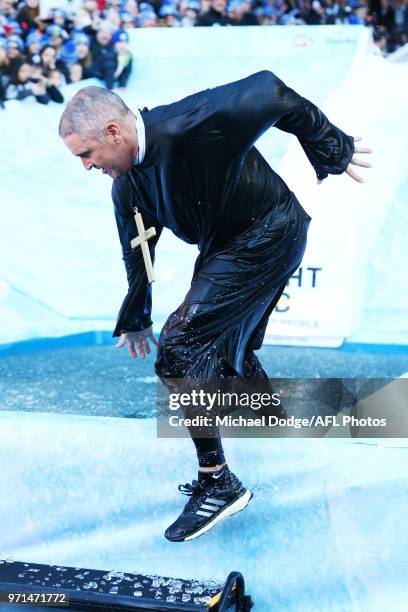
column 138, row 342
column 357, row 162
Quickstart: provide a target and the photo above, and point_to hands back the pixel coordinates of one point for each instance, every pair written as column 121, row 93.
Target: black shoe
column 210, row 501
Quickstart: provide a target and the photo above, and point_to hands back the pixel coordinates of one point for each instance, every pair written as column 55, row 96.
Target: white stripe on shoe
column 238, row 505
column 208, row 507
column 217, row 502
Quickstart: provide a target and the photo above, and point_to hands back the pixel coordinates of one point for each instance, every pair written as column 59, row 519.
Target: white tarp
column 324, row 531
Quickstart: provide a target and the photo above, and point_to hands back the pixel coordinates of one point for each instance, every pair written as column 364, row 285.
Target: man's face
column 149, row 23
column 57, row 41
column 121, row 47
column 113, row 156
column 104, row 36
column 219, row 5
column 114, row 19
column 90, row 5
column 82, row 50
column 82, row 19
column 24, row 73
column 13, row 50
column 75, row 72
column 7, row 7
column 48, row 56
column 132, row 7
column 35, row 47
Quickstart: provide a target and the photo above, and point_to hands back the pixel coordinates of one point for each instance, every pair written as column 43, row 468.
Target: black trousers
column 222, row 320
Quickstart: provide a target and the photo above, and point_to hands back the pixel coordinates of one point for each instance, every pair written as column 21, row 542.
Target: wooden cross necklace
column 141, row 240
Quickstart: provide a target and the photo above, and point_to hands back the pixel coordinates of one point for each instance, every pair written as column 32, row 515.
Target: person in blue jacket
column 192, row 167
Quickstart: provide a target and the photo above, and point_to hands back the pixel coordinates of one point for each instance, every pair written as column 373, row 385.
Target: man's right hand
column 138, row 342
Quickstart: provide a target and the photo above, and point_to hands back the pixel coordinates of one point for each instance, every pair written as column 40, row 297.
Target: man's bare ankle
column 215, row 468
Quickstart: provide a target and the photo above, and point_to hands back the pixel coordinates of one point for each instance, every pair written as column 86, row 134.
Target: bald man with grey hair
column 192, row 167
column 100, row 118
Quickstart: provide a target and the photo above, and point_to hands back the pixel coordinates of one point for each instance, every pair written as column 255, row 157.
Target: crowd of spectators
column 42, row 50
column 39, row 54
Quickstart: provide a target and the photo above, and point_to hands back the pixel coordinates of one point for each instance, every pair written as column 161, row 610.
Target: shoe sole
column 233, row 508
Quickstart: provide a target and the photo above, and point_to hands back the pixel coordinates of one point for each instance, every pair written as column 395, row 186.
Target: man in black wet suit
column 192, row 167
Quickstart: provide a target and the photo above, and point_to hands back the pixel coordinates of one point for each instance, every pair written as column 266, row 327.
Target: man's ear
column 113, row 132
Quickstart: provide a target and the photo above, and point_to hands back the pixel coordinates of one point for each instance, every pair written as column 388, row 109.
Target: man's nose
column 87, row 164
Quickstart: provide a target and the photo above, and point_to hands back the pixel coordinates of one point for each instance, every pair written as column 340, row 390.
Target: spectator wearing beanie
column 168, row 15
column 15, row 48
column 189, row 10
column 60, row 18
column 123, row 58
column 147, row 17
column 67, row 56
column 103, row 65
column 216, row 15
column 83, row 54
column 33, row 47
column 127, row 22
column 56, row 36
column 240, row 15
column 100, row 39
column 153, row 5
column 67, row 52
column 15, row 53
column 270, row 14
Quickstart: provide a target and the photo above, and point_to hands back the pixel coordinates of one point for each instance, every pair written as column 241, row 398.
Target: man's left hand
column 357, row 162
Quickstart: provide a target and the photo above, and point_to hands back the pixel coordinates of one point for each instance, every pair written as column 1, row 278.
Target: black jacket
column 103, row 64
column 213, row 17
column 103, row 67
column 21, row 91
column 203, row 178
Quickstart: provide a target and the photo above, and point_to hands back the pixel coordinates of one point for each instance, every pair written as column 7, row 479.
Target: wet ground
column 104, row 381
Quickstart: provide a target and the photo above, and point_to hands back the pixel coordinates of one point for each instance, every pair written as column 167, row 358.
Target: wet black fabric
column 203, row 179
column 224, row 315
column 209, row 451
